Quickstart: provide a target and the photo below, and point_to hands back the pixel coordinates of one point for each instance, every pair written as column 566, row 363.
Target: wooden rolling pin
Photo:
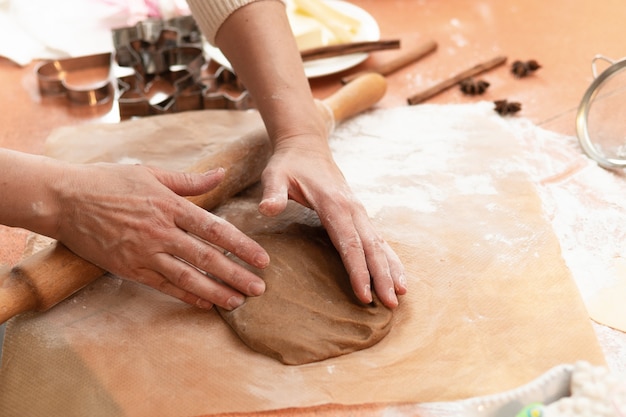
column 53, row 274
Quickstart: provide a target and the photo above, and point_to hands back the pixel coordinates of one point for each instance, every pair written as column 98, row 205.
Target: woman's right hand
column 134, row 222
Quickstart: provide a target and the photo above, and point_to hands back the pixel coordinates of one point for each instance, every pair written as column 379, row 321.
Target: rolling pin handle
column 356, row 96
column 43, row 279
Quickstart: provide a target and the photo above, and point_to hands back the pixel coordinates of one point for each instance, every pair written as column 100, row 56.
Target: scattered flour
column 585, row 203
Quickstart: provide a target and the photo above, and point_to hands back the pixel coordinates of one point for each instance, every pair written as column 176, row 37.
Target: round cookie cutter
column 608, row 120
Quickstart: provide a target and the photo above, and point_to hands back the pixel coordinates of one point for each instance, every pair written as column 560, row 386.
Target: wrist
column 307, row 128
column 32, row 182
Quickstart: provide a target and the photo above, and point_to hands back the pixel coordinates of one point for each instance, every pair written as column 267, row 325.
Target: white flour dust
column 386, row 160
column 585, row 203
column 476, row 184
column 387, row 155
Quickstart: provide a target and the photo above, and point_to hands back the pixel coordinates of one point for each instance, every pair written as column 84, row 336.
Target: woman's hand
column 133, row 222
column 300, row 171
column 302, row 167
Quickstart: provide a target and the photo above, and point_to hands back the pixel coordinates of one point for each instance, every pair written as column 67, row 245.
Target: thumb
column 187, row 183
column 274, row 200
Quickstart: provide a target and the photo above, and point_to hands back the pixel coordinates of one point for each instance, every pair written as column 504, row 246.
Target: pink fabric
column 137, row 10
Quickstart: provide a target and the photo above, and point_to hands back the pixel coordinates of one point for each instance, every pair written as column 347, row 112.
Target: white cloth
column 42, row 29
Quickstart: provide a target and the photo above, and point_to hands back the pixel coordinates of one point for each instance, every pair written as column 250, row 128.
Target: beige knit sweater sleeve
column 210, row 14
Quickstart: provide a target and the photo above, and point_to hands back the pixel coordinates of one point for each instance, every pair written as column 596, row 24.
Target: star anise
column 505, row 107
column 472, row 87
column 524, row 68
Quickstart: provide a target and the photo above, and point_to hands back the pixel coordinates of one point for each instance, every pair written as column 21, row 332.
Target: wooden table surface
column 562, row 35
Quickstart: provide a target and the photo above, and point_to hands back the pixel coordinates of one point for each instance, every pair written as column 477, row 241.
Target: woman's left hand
column 309, row 176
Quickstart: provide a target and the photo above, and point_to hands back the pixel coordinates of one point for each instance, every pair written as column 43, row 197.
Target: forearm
column 258, row 42
column 27, row 188
column 269, row 64
column 133, row 221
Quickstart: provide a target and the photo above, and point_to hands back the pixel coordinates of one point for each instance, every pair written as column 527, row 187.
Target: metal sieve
column 601, row 128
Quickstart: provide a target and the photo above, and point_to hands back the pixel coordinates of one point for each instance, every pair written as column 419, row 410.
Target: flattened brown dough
column 308, row 312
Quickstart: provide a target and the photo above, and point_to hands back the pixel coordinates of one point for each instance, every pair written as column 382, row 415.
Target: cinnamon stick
column 348, row 48
column 445, row 84
column 412, row 54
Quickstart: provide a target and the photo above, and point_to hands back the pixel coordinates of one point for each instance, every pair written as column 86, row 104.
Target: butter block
column 342, row 26
column 309, row 32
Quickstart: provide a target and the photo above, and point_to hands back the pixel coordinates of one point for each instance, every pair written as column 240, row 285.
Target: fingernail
column 235, row 301
column 393, row 297
column 261, row 260
column 263, row 206
column 368, row 294
column 214, row 171
column 269, row 200
column 256, row 288
column 402, row 280
column 204, row 304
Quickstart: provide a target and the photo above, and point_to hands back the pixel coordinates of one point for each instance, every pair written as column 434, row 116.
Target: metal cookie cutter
column 223, row 91
column 165, row 72
column 52, row 77
column 602, row 132
column 144, row 42
column 164, row 91
column 168, row 62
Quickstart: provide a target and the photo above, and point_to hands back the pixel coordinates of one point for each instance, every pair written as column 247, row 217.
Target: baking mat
column 491, row 303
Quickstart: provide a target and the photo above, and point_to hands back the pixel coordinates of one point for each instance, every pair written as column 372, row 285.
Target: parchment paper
column 491, row 303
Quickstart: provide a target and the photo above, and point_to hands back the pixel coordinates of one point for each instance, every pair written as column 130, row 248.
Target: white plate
column 369, row 31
